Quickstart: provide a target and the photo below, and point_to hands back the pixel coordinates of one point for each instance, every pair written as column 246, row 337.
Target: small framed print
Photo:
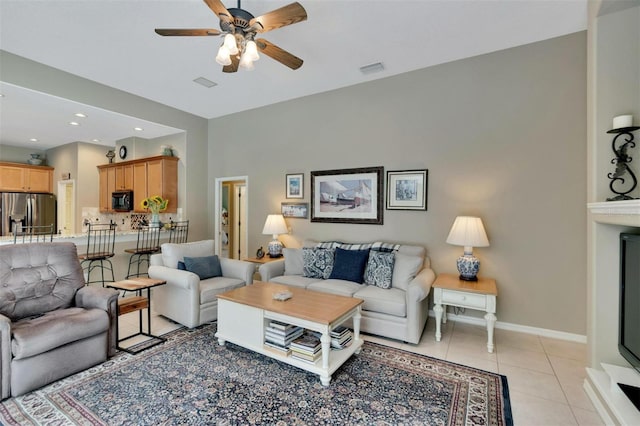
column 295, row 210
column 295, row 185
column 407, row 190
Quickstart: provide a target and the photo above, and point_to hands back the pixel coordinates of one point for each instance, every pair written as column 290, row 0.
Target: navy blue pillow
column 181, row 266
column 349, row 265
column 204, row 267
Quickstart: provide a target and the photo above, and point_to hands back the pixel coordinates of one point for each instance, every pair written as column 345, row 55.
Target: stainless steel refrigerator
column 26, row 209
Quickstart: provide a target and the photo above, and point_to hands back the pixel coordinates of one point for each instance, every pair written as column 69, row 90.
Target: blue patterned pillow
column 317, row 262
column 379, row 270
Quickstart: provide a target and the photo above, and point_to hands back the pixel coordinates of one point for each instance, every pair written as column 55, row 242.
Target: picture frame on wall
column 347, row 196
column 295, row 185
column 407, row 189
column 295, row 210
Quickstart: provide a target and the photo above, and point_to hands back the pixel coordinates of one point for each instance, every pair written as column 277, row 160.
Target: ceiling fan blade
column 235, row 61
column 218, row 8
column 187, row 32
column 278, row 18
column 282, row 56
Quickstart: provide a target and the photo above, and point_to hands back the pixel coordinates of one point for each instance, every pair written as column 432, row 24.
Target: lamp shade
column 468, row 231
column 275, row 225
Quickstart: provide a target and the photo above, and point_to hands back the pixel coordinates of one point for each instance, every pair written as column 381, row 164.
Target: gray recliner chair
column 51, row 324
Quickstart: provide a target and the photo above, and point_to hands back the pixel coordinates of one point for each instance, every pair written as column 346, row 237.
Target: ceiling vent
column 205, row 82
column 372, row 68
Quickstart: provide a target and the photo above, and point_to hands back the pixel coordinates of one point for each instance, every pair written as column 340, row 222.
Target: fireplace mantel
column 626, row 213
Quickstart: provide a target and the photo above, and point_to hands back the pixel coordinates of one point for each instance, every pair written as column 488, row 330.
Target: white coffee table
column 244, row 313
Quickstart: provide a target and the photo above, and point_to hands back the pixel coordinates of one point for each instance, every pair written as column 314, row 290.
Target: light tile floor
column 545, row 376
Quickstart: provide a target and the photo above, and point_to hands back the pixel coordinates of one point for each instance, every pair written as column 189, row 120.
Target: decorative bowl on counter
column 35, row 159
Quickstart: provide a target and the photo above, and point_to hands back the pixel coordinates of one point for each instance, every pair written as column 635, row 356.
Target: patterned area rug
column 191, row 380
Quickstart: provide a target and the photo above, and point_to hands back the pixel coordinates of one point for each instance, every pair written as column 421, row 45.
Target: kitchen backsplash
column 123, row 221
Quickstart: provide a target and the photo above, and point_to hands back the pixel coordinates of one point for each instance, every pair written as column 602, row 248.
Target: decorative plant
column 155, row 204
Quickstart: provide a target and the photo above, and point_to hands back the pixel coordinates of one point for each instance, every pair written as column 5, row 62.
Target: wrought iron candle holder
column 622, row 142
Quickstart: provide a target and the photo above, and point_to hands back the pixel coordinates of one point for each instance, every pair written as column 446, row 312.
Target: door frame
column 217, row 232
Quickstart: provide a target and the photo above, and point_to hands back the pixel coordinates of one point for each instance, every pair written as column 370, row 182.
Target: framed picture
column 407, row 190
column 347, row 196
column 295, row 210
column 295, row 185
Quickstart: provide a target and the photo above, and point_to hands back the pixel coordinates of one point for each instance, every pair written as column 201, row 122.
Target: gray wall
column 503, row 136
column 15, row 154
column 32, row 75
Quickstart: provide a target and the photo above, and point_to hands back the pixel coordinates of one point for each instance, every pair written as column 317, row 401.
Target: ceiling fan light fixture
column 230, row 44
column 223, row 57
column 246, row 63
column 251, row 51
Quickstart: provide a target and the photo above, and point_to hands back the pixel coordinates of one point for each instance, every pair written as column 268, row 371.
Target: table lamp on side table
column 468, row 232
column 275, row 225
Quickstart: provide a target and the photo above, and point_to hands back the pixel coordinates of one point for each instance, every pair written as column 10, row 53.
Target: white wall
column 503, row 136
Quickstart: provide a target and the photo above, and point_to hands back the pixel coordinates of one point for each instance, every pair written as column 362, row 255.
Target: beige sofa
column 399, row 312
column 51, row 324
column 186, row 298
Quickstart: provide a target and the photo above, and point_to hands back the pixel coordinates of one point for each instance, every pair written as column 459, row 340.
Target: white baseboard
column 544, row 332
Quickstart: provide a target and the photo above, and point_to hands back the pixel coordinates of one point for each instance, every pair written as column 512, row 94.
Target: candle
column 622, row 121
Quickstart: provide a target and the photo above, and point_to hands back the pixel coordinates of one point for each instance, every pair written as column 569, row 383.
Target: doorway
column 66, row 207
column 231, row 213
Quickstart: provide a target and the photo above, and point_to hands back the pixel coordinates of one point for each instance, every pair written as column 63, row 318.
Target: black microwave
column 122, row 201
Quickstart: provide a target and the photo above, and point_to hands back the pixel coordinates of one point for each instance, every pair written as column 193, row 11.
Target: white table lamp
column 468, row 232
column 275, row 225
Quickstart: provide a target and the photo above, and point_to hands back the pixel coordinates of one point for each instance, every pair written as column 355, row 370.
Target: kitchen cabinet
column 145, row 176
column 16, row 177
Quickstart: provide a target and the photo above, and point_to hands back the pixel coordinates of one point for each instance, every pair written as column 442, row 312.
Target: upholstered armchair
column 51, row 324
column 187, row 298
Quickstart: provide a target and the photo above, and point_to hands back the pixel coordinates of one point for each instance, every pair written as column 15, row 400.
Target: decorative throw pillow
column 379, row 270
column 204, row 267
column 182, row 266
column 349, row 265
column 293, row 263
column 317, row 263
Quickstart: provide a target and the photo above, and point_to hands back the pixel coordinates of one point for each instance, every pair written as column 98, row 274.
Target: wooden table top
column 305, row 304
column 453, row 282
column 134, row 284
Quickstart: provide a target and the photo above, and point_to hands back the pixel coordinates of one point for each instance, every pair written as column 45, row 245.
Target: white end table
column 450, row 290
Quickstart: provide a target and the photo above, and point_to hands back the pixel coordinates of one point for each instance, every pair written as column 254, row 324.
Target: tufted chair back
column 38, row 278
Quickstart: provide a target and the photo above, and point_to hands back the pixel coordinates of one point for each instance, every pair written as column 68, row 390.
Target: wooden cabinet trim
column 138, row 160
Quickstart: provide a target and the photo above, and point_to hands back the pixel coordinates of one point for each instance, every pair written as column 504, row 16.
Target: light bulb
column 251, row 50
column 230, row 44
column 246, row 62
column 223, row 57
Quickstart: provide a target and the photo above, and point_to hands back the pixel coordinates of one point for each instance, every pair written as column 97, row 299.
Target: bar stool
column 148, row 243
column 178, row 232
column 33, row 234
column 101, row 240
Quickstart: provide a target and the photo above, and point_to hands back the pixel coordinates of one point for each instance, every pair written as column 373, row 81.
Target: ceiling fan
column 239, row 27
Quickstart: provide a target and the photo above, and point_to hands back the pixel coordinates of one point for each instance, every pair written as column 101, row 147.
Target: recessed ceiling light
column 74, row 123
column 1, row 95
column 33, row 140
column 95, row 140
column 205, row 82
column 372, row 68
column 81, row 115
column 138, row 129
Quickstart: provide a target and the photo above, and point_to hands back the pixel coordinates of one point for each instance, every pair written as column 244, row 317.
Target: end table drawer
column 460, row 298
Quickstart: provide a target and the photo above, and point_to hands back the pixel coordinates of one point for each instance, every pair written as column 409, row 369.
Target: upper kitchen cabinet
column 16, row 177
column 145, row 176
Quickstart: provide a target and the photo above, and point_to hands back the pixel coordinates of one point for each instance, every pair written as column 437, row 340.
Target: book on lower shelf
column 341, row 337
column 282, row 350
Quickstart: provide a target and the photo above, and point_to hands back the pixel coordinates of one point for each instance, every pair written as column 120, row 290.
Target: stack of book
column 279, row 335
column 307, row 348
column 341, row 337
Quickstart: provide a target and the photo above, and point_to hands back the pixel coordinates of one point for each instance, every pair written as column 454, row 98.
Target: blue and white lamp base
column 468, row 266
column 275, row 248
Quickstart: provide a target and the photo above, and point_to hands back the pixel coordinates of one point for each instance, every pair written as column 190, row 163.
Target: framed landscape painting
column 407, row 190
column 347, row 196
column 295, row 185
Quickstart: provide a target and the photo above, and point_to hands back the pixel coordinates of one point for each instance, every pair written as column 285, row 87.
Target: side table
column 261, row 260
column 450, row 290
column 137, row 303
